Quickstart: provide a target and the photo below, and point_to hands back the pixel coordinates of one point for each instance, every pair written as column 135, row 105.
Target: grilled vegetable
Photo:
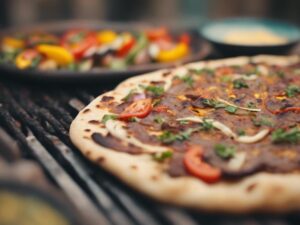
column 78, row 42
column 28, row 59
column 58, row 54
column 178, row 52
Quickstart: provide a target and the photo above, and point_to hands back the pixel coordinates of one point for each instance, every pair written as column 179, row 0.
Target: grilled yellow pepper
column 106, row 36
column 13, row 42
column 58, row 54
column 178, row 52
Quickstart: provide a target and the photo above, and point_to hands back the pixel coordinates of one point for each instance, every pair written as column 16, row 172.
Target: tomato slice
column 79, row 41
column 195, row 165
column 125, row 48
column 140, row 109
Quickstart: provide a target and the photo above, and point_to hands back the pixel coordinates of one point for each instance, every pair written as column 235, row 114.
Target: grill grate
column 39, row 120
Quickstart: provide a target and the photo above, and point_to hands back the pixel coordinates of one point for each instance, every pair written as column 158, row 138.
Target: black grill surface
column 38, row 118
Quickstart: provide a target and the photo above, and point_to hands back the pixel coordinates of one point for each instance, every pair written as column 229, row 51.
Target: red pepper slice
column 160, row 33
column 185, row 38
column 125, row 48
column 140, row 109
column 195, row 165
column 79, row 41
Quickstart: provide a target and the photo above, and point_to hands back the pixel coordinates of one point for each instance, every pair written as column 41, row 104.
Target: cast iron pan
column 200, row 49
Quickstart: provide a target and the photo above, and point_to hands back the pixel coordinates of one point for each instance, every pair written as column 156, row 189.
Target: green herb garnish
column 241, row 132
column 224, row 151
column 225, row 79
column 188, row 80
column 168, row 137
column 107, row 117
column 159, row 120
column 206, row 125
column 292, row 90
column 239, row 84
column 129, row 95
column 162, row 156
column 231, row 109
column 286, row 136
column 156, row 90
column 280, row 74
column 184, row 122
column 202, row 71
column 263, row 121
column 251, row 105
column 212, row 103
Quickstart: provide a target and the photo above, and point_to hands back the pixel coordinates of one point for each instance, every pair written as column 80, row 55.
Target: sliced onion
column 116, row 129
column 251, row 139
column 228, row 132
column 245, row 77
column 139, row 96
column 237, row 161
column 239, row 107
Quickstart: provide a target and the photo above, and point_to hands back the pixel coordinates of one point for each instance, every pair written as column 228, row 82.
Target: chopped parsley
column 241, row 132
column 225, row 79
column 286, row 136
column 263, row 121
column 202, row 71
column 184, row 122
column 168, row 137
column 239, row 84
column 231, row 109
column 107, row 117
column 162, row 156
column 155, row 90
column 129, row 95
column 251, row 105
column 280, row 74
column 212, row 103
column 224, row 151
column 159, row 120
column 156, row 101
column 292, row 90
column 188, row 80
column 206, row 125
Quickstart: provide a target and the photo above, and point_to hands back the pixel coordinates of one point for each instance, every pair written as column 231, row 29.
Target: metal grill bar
column 39, row 120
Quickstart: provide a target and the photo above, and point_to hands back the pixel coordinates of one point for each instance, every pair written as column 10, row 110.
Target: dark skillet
column 199, row 51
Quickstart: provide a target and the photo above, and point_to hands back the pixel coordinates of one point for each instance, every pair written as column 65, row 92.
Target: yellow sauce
column 257, row 37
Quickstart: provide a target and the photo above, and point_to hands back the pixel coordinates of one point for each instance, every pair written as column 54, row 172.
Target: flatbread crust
column 261, row 192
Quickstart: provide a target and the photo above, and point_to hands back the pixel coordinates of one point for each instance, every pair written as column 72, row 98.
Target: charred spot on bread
column 107, row 98
column 86, row 110
column 94, row 122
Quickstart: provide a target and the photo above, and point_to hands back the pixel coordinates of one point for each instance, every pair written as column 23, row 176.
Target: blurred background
column 181, row 12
